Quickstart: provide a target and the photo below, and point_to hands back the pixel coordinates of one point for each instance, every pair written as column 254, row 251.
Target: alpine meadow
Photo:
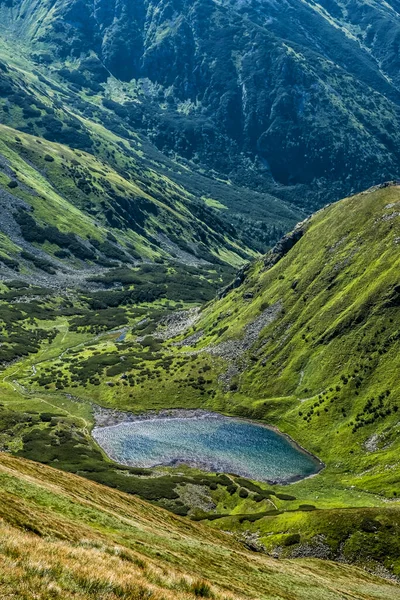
column 199, row 299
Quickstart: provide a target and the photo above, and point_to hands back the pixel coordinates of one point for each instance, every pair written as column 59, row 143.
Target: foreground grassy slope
column 64, row 537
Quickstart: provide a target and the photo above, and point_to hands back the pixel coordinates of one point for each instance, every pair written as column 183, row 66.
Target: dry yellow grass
column 34, row 568
column 63, row 537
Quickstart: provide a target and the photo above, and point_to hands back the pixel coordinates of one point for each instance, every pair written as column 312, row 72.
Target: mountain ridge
column 251, row 73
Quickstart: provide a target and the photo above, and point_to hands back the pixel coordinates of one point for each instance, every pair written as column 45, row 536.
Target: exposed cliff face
column 291, row 97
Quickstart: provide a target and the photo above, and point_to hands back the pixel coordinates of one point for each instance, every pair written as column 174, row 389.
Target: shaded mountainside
column 296, row 98
column 64, row 537
column 42, row 100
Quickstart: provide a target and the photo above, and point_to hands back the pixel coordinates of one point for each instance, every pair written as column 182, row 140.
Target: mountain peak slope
column 297, row 99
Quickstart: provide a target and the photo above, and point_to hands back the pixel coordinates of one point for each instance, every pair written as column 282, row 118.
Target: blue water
column 123, row 335
column 213, row 443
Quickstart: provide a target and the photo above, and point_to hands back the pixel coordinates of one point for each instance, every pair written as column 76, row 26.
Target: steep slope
column 324, row 364
column 64, row 537
column 46, row 103
column 291, row 98
column 71, row 210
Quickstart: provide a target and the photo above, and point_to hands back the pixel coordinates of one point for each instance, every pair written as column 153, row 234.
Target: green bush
column 249, row 485
column 290, row 540
column 285, row 497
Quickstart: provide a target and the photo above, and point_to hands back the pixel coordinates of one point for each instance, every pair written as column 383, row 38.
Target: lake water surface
column 211, row 442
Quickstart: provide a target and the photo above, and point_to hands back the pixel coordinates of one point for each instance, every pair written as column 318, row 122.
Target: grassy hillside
column 309, row 341
column 36, row 99
column 64, row 537
column 324, row 367
column 68, row 208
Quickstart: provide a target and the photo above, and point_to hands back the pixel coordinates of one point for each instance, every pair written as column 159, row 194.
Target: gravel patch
column 233, row 350
column 317, row 548
column 177, row 323
column 371, row 444
column 196, row 496
column 182, row 256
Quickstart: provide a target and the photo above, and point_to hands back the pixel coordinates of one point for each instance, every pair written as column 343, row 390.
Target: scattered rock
column 191, row 340
column 285, row 244
column 251, row 540
column 233, row 350
column 316, row 548
column 371, row 444
column 177, row 323
column 197, row 497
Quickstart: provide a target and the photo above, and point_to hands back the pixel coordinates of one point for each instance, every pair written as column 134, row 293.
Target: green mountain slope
column 35, row 99
column 299, row 99
column 64, row 537
column 68, row 208
column 325, row 365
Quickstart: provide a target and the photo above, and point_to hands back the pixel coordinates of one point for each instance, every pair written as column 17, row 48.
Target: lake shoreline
column 110, row 418
column 106, row 417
